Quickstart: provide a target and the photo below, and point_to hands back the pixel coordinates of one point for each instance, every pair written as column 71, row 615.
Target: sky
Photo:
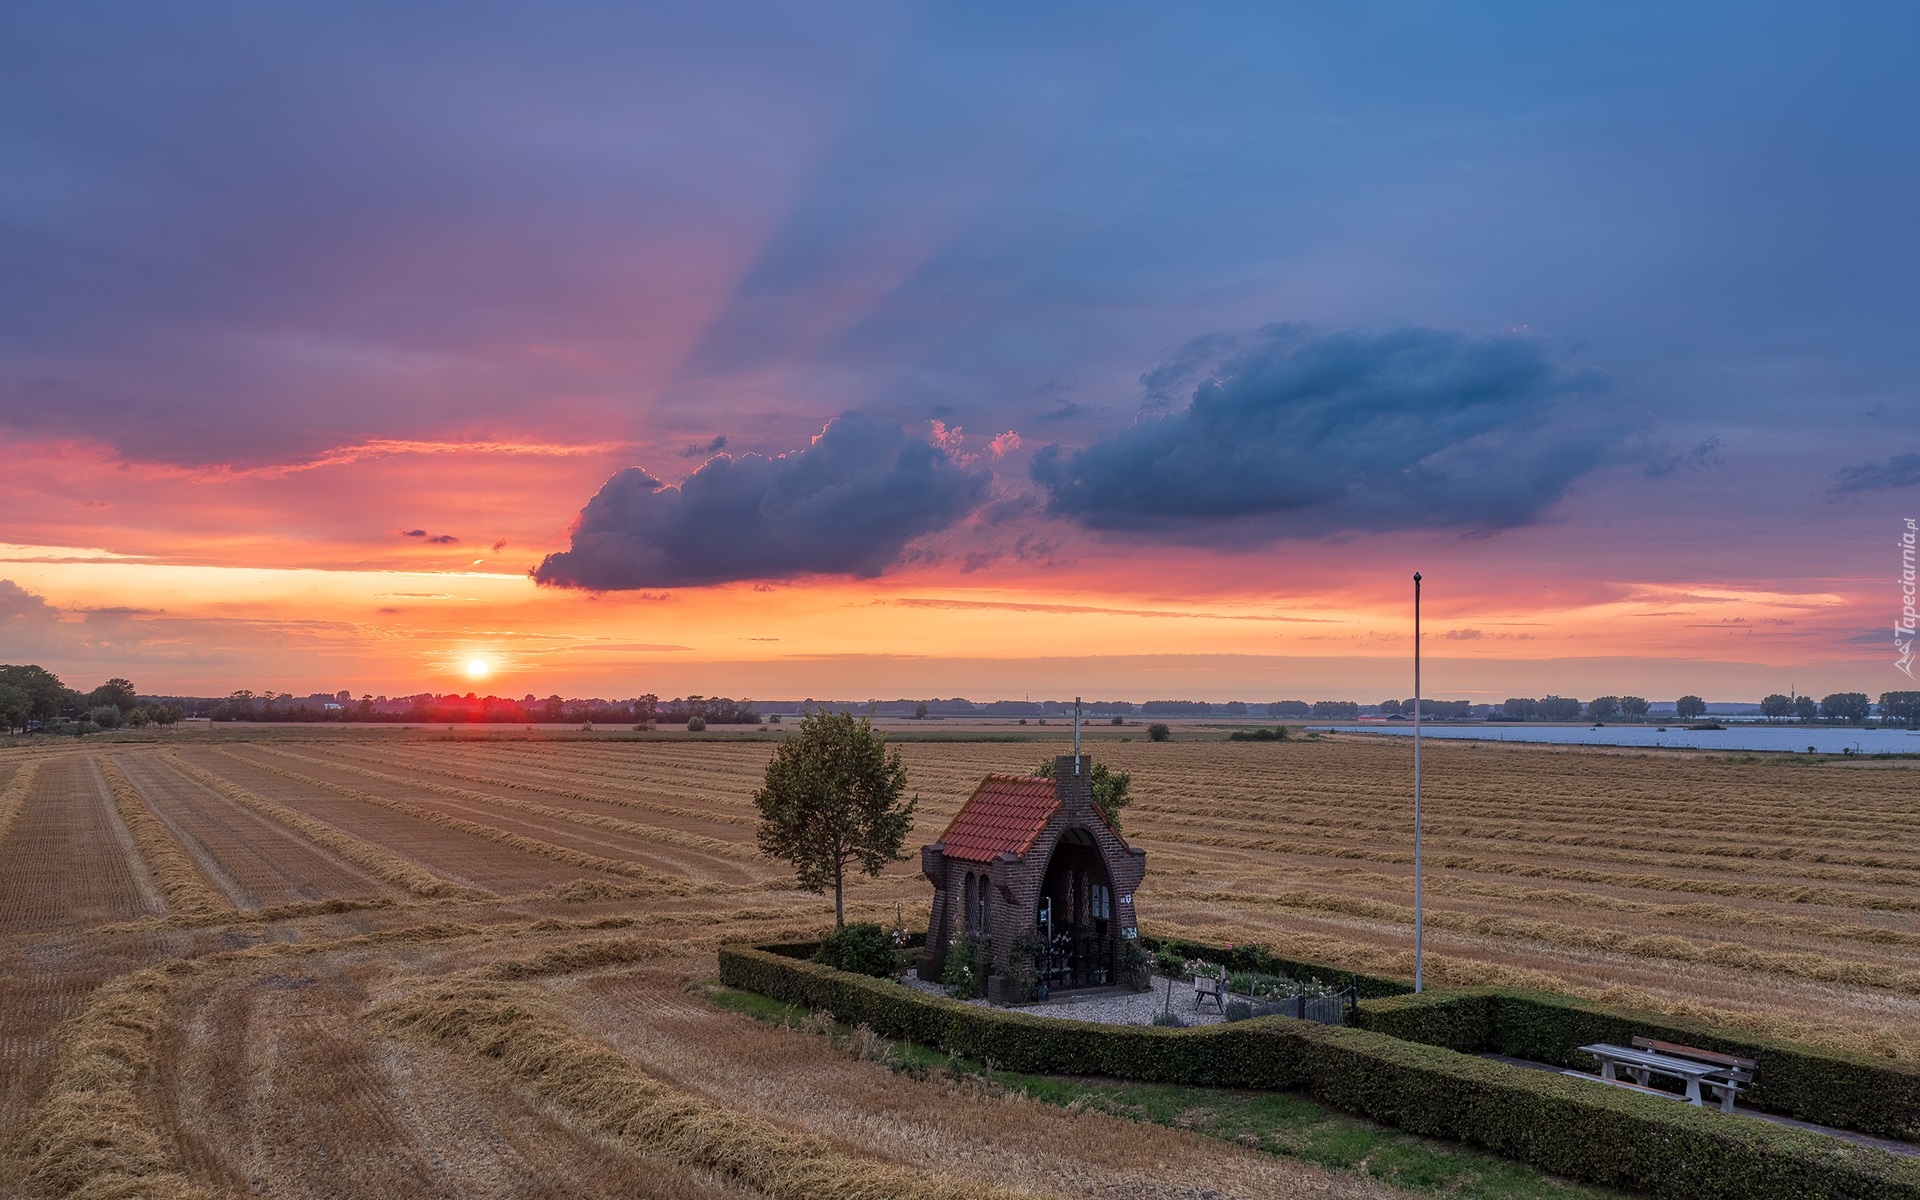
column 992, row 350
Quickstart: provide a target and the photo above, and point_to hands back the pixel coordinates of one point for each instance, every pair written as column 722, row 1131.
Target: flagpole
column 1076, row 735
column 1417, row 964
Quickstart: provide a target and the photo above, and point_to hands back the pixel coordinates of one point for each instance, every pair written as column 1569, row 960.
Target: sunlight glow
column 477, row 668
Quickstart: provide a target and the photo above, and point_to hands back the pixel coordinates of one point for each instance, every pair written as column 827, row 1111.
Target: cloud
column 704, row 449
column 1902, row 470
column 1289, row 432
column 19, row 607
column 443, row 539
column 845, row 505
column 413, row 533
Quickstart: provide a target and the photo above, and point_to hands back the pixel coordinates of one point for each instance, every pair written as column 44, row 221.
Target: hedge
column 1827, row 1087
column 1252, row 957
column 1602, row 1135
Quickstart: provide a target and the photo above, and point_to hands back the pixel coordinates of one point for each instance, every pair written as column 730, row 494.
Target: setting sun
column 478, row 668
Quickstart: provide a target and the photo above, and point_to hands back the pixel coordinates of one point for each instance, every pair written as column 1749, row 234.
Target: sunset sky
column 989, row 350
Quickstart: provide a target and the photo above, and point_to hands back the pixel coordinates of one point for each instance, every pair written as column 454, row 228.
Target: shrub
column 965, row 973
column 696, row 724
column 1169, row 1020
column 1159, row 731
column 1568, row 1127
column 106, row 716
column 863, row 948
column 1824, row 1086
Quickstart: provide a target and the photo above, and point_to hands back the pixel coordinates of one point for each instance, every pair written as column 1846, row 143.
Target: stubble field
column 470, row 965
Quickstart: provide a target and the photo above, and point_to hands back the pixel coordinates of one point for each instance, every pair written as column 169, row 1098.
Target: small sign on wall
column 1127, row 899
column 1130, row 933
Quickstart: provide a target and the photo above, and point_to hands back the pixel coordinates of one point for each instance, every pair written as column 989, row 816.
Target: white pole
column 1076, row 735
column 1418, row 980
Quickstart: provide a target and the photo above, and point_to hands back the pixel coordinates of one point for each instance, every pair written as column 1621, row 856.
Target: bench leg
column 1693, row 1092
column 1606, row 1068
column 1726, row 1095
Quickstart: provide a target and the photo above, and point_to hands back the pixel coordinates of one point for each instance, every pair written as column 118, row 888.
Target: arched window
column 984, row 922
column 972, row 913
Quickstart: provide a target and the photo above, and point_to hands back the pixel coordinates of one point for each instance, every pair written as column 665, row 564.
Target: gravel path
column 1106, row 1006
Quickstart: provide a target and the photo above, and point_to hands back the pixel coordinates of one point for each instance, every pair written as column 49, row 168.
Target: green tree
column 1846, row 708
column 920, row 711
column 1900, row 706
column 1159, row 732
column 1689, row 708
column 1804, row 708
column 15, row 704
column 1634, row 708
column 106, row 716
column 1776, row 706
column 117, row 692
column 1109, row 789
column 166, row 715
column 1603, row 708
column 46, row 695
column 831, row 801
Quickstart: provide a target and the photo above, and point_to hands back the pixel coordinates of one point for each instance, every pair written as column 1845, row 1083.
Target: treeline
column 453, row 708
column 33, row 698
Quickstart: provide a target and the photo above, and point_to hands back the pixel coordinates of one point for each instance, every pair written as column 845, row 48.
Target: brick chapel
column 1025, row 854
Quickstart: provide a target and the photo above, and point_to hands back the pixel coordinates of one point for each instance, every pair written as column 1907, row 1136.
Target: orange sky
column 299, row 577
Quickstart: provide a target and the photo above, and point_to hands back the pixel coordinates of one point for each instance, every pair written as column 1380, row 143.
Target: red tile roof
column 1004, row 815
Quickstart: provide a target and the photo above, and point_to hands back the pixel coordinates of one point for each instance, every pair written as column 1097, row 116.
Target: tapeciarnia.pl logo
column 1903, row 629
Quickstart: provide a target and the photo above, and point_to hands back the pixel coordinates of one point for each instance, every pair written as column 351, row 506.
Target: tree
column 1776, row 706
column 14, row 706
column 920, row 711
column 166, row 715
column 1634, row 707
column 46, row 695
column 117, row 692
column 1159, row 732
column 106, row 716
column 1389, row 708
column 1559, row 708
column 1603, row 708
column 1109, row 789
column 139, row 718
column 1848, row 708
column 1520, row 708
column 1689, row 708
column 1804, row 708
column 1900, row 706
column 832, row 800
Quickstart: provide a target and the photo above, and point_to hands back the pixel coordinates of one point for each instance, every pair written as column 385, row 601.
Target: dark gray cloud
column 443, row 539
column 704, row 449
column 1900, row 471
column 1293, row 432
column 845, row 505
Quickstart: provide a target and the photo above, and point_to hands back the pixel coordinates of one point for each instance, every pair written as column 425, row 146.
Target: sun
column 478, row 668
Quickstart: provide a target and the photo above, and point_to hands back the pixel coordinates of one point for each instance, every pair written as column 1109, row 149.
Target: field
column 460, row 965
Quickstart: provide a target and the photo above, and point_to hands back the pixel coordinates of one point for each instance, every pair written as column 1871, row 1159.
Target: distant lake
column 1734, row 737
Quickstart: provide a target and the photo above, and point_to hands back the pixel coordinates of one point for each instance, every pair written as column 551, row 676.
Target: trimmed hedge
column 1253, row 957
column 1602, row 1135
column 1827, row 1087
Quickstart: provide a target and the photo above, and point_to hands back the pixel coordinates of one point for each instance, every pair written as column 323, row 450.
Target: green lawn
column 1276, row 1122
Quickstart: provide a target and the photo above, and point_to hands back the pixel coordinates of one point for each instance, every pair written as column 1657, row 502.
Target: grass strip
column 92, row 1139
column 508, row 1027
column 1278, row 1123
column 377, row 862
column 179, row 878
column 14, row 797
column 651, row 833
column 576, row 858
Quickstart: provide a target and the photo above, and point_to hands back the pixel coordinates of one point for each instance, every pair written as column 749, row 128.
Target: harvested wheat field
column 471, row 966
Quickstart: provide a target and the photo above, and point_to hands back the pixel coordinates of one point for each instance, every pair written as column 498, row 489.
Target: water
column 1794, row 738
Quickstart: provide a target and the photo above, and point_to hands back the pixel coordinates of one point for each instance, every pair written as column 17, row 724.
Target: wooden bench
column 1723, row 1074
column 1211, row 986
column 1738, row 1073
